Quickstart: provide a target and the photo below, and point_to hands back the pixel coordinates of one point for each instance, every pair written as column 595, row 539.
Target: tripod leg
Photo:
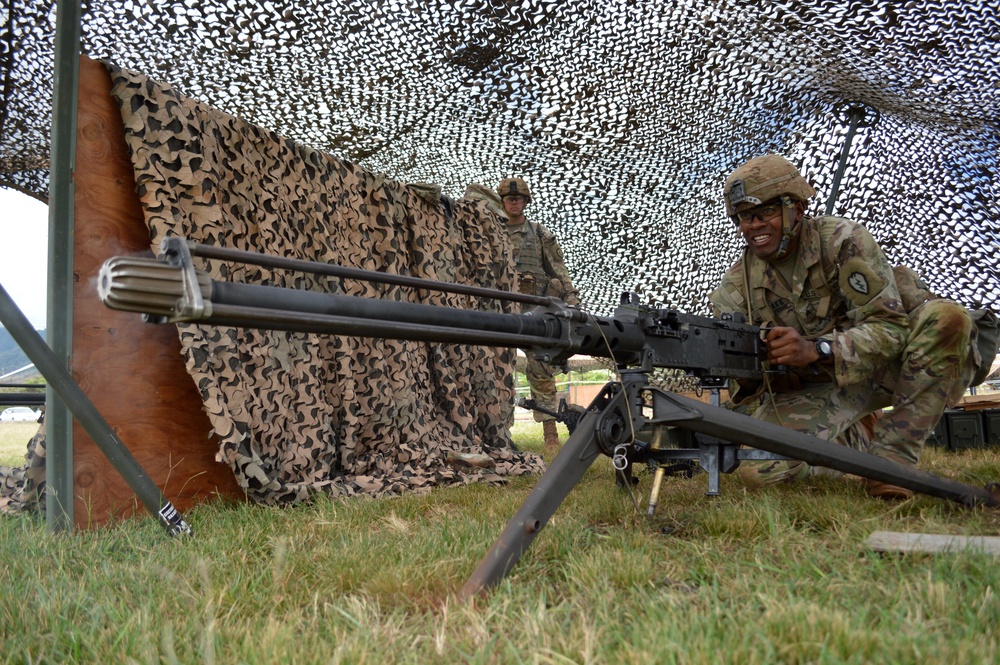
column 565, row 471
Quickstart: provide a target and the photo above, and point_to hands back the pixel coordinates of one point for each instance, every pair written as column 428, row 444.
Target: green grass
column 777, row 575
column 14, row 439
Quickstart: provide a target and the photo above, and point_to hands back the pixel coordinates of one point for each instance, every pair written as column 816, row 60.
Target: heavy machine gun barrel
column 169, row 289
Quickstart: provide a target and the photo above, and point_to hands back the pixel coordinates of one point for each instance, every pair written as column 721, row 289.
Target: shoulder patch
column 858, row 282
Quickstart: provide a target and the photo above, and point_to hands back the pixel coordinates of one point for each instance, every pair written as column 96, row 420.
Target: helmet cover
column 514, row 187
column 763, row 179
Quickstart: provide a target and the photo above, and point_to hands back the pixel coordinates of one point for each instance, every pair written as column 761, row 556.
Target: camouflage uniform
column 938, row 363
column 538, row 262
column 843, row 289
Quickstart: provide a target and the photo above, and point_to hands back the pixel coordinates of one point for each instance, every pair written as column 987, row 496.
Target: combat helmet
column 763, row 179
column 514, row 187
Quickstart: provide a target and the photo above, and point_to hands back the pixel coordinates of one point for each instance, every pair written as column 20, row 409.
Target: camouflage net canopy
column 624, row 117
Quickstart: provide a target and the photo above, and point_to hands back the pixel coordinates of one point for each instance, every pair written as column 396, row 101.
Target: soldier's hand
column 785, row 346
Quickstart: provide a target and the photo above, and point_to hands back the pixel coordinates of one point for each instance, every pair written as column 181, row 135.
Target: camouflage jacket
column 538, row 262
column 842, row 289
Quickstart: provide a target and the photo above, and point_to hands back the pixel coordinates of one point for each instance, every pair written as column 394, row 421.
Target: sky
column 24, row 232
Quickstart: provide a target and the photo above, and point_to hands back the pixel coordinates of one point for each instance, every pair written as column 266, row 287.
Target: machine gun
column 638, row 338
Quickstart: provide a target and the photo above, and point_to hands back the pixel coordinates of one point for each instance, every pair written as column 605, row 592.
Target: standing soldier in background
column 540, row 270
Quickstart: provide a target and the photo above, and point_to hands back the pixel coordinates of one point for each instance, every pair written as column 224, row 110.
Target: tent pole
column 59, row 313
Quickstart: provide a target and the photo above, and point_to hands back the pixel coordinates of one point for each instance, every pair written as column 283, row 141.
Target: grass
column 777, row 575
column 14, row 437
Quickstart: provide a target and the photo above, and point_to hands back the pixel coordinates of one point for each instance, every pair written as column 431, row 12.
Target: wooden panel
column 893, row 541
column 132, row 371
column 979, row 402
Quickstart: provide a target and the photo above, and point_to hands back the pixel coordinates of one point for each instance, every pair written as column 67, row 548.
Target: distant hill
column 12, row 358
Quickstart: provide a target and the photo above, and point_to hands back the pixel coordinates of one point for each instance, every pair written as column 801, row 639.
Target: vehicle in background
column 19, row 414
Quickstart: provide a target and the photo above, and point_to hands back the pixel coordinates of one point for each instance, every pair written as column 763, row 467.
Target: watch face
column 824, row 348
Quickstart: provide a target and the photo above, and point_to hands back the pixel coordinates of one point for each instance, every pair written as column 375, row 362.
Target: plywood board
column 132, row 371
column 979, row 402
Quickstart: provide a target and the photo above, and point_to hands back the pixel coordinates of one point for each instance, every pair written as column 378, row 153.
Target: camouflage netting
column 300, row 413
column 623, row 116
column 22, row 488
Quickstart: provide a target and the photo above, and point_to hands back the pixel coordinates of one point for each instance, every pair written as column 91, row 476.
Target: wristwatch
column 824, row 349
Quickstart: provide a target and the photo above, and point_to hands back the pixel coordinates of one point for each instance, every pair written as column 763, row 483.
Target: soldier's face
column 513, row 205
column 761, row 227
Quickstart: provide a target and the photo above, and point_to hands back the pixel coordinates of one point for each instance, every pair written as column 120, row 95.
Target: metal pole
column 61, row 382
column 59, row 314
column 856, row 115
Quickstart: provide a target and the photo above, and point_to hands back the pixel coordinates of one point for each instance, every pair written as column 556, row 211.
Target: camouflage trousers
column 935, row 368
column 542, row 382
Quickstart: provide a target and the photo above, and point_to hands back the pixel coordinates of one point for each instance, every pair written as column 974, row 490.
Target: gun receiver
column 638, row 338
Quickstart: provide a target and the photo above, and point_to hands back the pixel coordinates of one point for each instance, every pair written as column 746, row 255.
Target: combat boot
column 551, row 436
column 887, row 491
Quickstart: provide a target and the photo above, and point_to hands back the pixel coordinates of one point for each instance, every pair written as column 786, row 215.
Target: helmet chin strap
column 789, row 227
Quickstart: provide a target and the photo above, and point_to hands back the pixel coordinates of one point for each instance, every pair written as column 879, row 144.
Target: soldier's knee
column 943, row 324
